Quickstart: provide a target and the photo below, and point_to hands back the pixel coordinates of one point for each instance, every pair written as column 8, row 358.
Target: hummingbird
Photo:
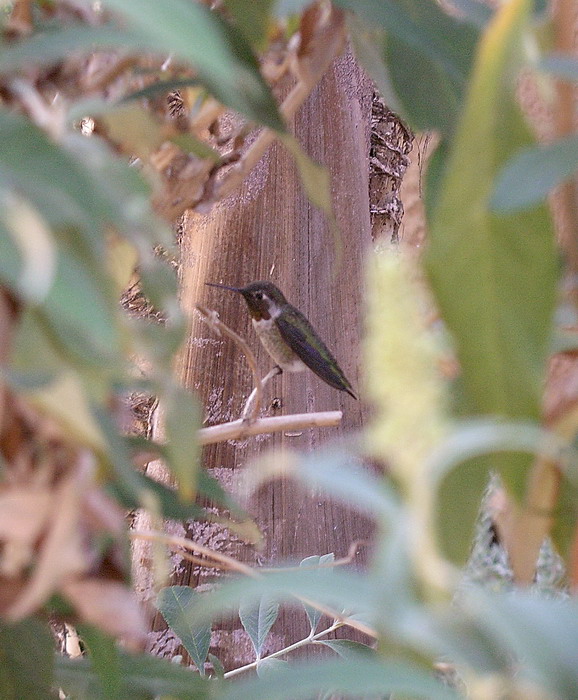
column 287, row 335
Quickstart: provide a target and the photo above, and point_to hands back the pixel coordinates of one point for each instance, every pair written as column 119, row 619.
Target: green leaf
column 160, row 286
column 460, row 482
column 208, row 486
column 434, row 177
column 347, row 649
column 267, row 667
column 530, row 175
column 428, row 55
column 105, row 660
column 52, row 46
column 81, row 314
column 189, row 31
column 252, row 19
column 174, row 604
column 285, row 8
column 144, row 677
column 161, row 87
column 223, row 59
column 217, row 666
column 368, row 676
column 473, row 11
column 182, row 421
column 27, row 660
column 27, row 249
column 540, row 633
column 424, row 26
column 342, row 475
column 503, row 266
column 432, row 100
column 368, row 42
column 170, row 504
column 340, row 591
column 257, row 621
column 561, row 65
column 314, row 615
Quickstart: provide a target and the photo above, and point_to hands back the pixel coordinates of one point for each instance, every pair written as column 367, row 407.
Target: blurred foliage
column 109, row 124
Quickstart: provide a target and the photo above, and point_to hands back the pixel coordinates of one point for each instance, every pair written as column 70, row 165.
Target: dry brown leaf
column 111, row 606
column 23, row 513
column 61, row 554
column 322, row 37
column 101, row 512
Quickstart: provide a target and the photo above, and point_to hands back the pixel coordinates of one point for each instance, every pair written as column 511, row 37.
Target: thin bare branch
column 211, row 318
column 239, row 429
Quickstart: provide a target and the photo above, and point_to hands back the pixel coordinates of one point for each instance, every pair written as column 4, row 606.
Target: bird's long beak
column 223, row 286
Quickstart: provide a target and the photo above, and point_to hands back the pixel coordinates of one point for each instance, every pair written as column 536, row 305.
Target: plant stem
column 310, row 639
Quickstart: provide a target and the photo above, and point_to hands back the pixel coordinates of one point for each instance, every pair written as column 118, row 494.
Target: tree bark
column 269, row 230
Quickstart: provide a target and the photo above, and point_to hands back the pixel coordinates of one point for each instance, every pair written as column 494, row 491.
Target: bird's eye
column 258, row 295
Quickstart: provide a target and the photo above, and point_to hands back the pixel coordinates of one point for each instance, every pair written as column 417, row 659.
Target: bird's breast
column 276, row 347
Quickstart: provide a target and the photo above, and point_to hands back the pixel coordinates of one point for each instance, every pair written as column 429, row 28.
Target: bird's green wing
column 298, row 333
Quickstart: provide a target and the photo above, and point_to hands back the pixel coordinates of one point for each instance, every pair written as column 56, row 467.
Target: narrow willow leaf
column 208, row 485
column 346, row 648
column 257, row 621
column 373, row 677
column 105, row 658
column 27, row 650
column 217, row 666
column 134, row 128
column 182, row 421
column 252, row 19
column 81, row 312
column 314, row 615
column 160, row 88
column 55, row 45
column 428, row 55
column 222, row 57
column 160, row 286
column 174, row 604
column 341, row 475
column 267, row 667
column 424, row 26
column 144, row 677
column 36, row 246
column 540, row 633
column 504, row 267
column 530, row 175
column 431, row 102
column 368, row 43
column 65, row 401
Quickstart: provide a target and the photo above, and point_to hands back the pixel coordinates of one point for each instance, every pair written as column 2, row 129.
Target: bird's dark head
column 264, row 299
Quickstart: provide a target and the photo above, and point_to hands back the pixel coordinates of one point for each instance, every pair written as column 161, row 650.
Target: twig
column 347, row 559
column 235, row 565
column 310, row 639
column 239, row 428
column 230, row 563
column 49, row 118
column 211, row 318
column 248, row 405
column 318, row 62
